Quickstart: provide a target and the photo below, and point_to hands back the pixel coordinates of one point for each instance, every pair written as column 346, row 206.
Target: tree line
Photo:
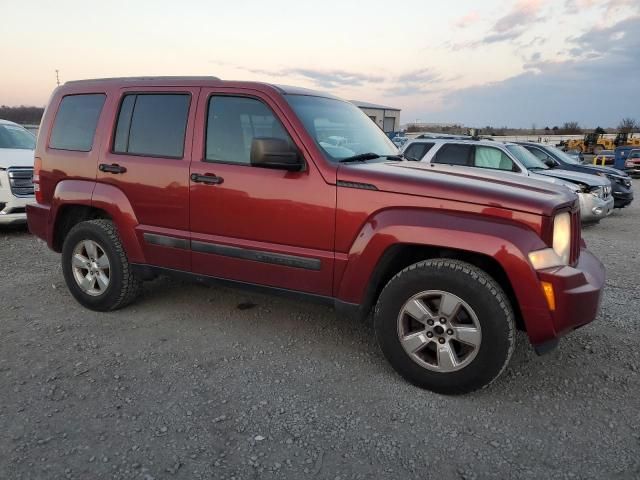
column 626, row 125
column 22, row 114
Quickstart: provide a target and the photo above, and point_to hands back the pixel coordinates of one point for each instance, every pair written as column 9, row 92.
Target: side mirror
column 549, row 162
column 274, row 153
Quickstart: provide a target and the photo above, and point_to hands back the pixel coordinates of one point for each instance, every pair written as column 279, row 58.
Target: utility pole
column 57, row 78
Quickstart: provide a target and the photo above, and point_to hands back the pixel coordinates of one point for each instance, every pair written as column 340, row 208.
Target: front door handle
column 208, row 179
column 113, row 168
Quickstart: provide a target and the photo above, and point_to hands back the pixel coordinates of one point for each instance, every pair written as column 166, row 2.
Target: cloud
column 322, row 78
column 414, row 83
column 597, row 89
column 514, row 24
column 609, row 6
column 468, row 19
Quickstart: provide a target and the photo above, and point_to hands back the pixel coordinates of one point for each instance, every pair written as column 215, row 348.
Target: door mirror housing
column 549, row 162
column 275, row 153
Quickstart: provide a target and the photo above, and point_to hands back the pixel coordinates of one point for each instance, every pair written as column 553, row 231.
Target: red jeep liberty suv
column 245, row 183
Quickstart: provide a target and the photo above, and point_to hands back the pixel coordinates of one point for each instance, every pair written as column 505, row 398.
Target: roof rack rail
column 137, row 79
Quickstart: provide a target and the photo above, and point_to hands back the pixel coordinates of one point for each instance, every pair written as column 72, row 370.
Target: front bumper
column 12, row 208
column 593, row 209
column 577, row 293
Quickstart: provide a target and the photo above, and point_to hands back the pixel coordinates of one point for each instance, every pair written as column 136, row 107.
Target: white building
column 387, row 118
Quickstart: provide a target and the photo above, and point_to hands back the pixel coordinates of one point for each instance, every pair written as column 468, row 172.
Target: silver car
column 596, row 201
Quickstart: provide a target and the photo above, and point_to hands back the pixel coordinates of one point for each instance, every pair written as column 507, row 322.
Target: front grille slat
column 21, row 181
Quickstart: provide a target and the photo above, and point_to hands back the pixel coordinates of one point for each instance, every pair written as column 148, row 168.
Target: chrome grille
column 21, row 181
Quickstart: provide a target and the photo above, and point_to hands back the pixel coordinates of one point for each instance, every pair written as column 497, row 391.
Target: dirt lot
column 201, row 382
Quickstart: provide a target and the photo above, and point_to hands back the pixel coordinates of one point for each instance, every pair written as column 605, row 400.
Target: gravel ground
column 195, row 381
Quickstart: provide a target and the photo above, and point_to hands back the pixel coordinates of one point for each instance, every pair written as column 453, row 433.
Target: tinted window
column 489, row 157
column 76, row 122
column 152, row 124
column 416, row 151
column 233, row 123
column 453, row 154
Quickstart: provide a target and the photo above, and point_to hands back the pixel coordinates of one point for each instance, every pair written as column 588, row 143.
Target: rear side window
column 488, row 157
column 453, row 154
column 152, row 125
column 417, row 151
column 76, row 122
column 233, row 123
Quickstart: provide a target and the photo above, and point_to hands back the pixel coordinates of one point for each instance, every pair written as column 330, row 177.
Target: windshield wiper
column 363, row 157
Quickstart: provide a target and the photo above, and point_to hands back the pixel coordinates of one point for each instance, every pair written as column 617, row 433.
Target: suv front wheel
column 445, row 325
column 95, row 266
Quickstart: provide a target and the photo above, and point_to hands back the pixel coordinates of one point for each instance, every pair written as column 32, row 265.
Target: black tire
column 475, row 287
column 123, row 287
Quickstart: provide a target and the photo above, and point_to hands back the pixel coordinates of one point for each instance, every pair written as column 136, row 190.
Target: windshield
column 14, row 136
column 340, row 129
column 563, row 155
column 528, row 159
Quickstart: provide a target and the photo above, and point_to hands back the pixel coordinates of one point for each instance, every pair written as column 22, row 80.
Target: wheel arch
column 80, row 200
column 391, row 243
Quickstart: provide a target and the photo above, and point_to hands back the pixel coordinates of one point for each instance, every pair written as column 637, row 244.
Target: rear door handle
column 208, row 179
column 113, row 168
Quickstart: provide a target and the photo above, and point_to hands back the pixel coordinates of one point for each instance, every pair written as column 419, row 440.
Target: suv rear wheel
column 96, row 268
column 445, row 325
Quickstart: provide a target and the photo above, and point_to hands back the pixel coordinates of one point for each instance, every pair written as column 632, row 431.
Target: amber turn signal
column 547, row 288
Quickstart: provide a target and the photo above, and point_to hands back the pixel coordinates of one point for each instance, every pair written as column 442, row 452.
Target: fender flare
column 104, row 197
column 505, row 241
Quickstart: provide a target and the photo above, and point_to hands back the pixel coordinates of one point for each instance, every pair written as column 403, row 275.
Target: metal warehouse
column 387, row 118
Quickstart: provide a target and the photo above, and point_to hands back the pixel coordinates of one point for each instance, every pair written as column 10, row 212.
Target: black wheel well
column 70, row 215
column 398, row 257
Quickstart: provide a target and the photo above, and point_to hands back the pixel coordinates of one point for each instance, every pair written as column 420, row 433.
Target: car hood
column 574, row 177
column 606, row 170
column 15, row 157
column 449, row 182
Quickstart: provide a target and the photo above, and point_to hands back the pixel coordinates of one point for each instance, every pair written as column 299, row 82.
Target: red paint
column 304, row 214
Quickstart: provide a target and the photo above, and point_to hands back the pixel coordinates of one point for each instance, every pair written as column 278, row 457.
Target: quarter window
column 233, row 123
column 152, row 125
column 489, row 157
column 76, row 122
column 453, row 154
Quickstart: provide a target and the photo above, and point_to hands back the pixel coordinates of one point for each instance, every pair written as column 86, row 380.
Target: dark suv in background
column 556, row 158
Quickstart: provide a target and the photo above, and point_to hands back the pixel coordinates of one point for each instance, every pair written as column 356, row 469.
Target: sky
column 500, row 63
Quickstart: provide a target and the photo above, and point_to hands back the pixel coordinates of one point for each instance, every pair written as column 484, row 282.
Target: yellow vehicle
column 596, row 143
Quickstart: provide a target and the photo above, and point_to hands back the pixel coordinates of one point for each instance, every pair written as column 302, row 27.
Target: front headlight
column 559, row 254
column 597, row 192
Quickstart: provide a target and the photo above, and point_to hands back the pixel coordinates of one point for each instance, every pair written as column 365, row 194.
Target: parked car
column 16, row 172
column 399, row 141
column 594, row 192
column 574, row 154
column 605, row 158
column 621, row 183
column 230, row 182
column 632, row 164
